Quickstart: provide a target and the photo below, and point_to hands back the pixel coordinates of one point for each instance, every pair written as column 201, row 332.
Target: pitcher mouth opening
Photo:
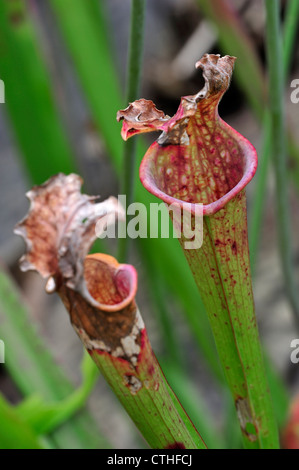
column 111, row 285
column 210, row 176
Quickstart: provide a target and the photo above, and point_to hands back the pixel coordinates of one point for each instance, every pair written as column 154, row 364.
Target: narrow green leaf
column 279, row 149
column 34, row 370
column 84, row 30
column 44, row 416
column 29, row 100
column 15, row 433
column 290, row 28
column 257, row 209
column 134, row 64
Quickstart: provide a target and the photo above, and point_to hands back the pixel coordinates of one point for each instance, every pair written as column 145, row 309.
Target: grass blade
column 24, row 351
column 29, row 99
column 277, row 112
column 133, row 86
column 290, row 28
column 15, row 433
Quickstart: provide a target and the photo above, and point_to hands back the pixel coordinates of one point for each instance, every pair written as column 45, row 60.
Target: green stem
column 133, row 85
column 290, row 29
column 256, row 217
column 45, row 417
column 135, row 49
column 231, row 313
column 15, row 433
column 276, row 89
column 154, row 408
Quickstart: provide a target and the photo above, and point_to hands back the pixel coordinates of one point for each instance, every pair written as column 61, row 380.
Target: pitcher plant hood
column 59, row 230
column 198, row 158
